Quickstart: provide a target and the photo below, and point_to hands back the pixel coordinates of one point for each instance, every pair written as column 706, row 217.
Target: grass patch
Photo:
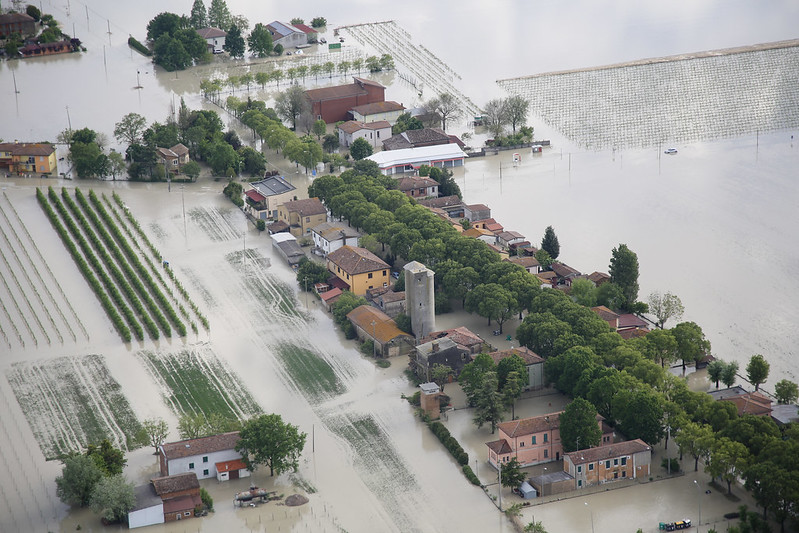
column 196, row 381
column 70, row 402
column 383, row 363
column 314, row 376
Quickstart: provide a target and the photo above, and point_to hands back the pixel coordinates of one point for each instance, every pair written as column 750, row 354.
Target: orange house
column 534, row 440
column 359, row 268
column 28, row 158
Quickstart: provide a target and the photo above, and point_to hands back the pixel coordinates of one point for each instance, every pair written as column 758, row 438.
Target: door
column 234, row 474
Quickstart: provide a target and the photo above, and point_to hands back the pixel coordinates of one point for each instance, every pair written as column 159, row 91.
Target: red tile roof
column 354, row 260
column 227, row 466
column 37, row 149
column 528, row 426
column 335, row 93
column 203, row 445
column 527, row 355
column 629, row 320
column 255, row 196
column 605, row 314
column 182, row 504
column 378, row 107
column 305, row 29
column 164, row 486
column 499, row 447
column 333, row 293
column 600, row 453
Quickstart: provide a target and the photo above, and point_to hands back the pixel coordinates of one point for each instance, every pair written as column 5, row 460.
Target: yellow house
column 302, row 215
column 359, row 268
column 28, row 158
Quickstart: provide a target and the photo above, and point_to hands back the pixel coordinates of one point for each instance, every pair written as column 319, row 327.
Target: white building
column 373, row 132
column 198, row 455
column 410, row 159
column 330, row 236
column 215, row 39
column 286, row 35
column 149, row 508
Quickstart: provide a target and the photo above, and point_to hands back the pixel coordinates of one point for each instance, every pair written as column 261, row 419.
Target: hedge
column 139, row 47
column 467, row 471
column 449, row 442
column 91, row 279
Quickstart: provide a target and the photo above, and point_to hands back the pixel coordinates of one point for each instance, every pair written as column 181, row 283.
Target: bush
column 139, row 47
column 383, row 363
column 467, row 471
column 415, row 398
column 260, row 225
column 449, row 442
column 206, row 498
column 675, row 464
column 368, row 347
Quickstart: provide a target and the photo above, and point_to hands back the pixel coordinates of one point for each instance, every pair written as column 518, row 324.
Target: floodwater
column 715, row 224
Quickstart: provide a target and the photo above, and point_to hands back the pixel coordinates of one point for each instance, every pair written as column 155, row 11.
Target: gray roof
column 785, row 414
column 334, row 230
column 429, row 388
column 291, row 250
column 272, row 186
column 145, row 497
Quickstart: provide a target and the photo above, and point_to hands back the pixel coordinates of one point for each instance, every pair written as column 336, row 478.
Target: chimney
column 435, row 346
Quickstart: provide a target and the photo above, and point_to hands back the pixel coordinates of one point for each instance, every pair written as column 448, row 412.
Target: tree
column 309, row 273
column 786, row 391
column 516, row 109
column 278, row 50
column 662, row 346
column 488, row 402
column 319, row 129
column 260, row 41
column 610, row 295
column 360, row 149
column 640, row 414
column 664, row 307
column 728, row 460
column 297, row 20
column 550, row 243
column 192, row 170
column 578, row 426
column 624, row 273
column 506, row 365
column 219, row 15
column 116, row 164
column 691, row 342
column 112, row 498
column 471, row 376
column 234, row 42
column 511, row 391
column 544, row 259
column 33, row 12
column 729, row 374
column 199, row 15
column 318, row 22
column 223, row 159
column 291, row 103
column 111, row 460
column 495, row 116
column 163, row 24
column 77, row 480
column 512, row 474
column 440, row 374
column 445, row 106
column 170, row 53
column 541, row 331
column 696, row 440
column 535, row 527
column 191, row 426
column 406, row 122
column 714, row 371
column 154, row 432
column 493, row 302
column 269, row 441
column 130, row 129
column 757, row 370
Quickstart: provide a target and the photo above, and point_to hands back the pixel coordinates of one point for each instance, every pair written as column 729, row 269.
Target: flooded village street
column 717, row 225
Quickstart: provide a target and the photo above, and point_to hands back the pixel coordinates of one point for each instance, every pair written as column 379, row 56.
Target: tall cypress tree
column 550, row 243
column 199, row 15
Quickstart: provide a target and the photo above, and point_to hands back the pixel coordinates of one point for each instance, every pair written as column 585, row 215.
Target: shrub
column 260, row 225
column 383, row 363
column 206, row 498
column 139, row 47
column 675, row 464
column 415, row 398
column 467, row 471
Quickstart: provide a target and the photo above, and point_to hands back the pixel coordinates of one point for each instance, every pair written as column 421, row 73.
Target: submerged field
column 70, row 402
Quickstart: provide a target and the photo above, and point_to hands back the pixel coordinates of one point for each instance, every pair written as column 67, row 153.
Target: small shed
column 527, row 492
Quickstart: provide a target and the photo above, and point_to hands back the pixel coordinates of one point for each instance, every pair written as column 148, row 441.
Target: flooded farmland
column 704, row 223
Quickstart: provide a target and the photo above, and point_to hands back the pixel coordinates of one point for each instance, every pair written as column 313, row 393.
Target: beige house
column 606, row 464
column 373, row 132
column 371, row 323
column 302, row 215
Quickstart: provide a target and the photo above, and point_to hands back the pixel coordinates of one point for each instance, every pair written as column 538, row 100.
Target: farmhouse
column 333, row 104
column 330, row 236
column 173, row 158
column 418, row 187
column 28, row 158
column 605, row 464
column 302, row 215
column 20, row 23
column 410, row 159
column 198, row 456
column 180, row 494
column 215, row 38
column 371, row 323
column 390, row 302
column 442, row 351
column 286, row 35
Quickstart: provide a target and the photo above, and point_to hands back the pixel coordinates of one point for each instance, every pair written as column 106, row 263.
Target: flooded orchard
column 706, row 224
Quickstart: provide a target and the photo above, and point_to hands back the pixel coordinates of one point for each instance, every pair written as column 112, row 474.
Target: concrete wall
column 147, row 516
column 419, row 285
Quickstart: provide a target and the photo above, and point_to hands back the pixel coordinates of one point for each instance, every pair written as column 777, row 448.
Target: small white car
column 671, row 151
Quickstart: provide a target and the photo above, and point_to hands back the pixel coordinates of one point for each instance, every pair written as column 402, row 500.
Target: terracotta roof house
column 307, row 30
column 232, row 469
column 359, row 268
column 442, row 351
column 64, row 46
column 534, row 440
column 371, row 132
column 329, row 297
column 215, row 38
column 533, row 362
column 333, row 104
column 302, row 215
column 607, row 315
column 547, row 278
column 598, row 278
column 197, row 456
column 606, row 464
column 565, row 273
column 330, row 236
column 263, row 196
column 180, row 494
column 410, row 159
column 173, row 158
column 286, row 35
column 529, row 263
column 28, row 158
column 462, row 336
column 388, row 111
column 416, row 139
column 480, row 233
column 451, row 205
column 20, row 23
column 506, row 238
column 418, row 187
column 371, row 323
column 747, row 403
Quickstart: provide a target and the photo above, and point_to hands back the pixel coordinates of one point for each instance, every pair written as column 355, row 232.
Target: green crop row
column 110, row 310
column 108, row 283
column 162, row 300
column 130, row 275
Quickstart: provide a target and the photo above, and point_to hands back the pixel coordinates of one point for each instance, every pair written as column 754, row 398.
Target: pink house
column 534, row 440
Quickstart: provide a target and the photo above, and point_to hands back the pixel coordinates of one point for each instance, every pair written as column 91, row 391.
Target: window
column 191, row 466
column 579, row 482
column 187, row 513
column 623, row 461
column 205, row 459
column 370, row 275
column 307, row 219
column 546, row 437
column 384, row 273
column 546, row 454
column 533, row 439
column 580, row 469
column 616, row 462
column 205, row 472
column 385, row 284
column 615, row 475
column 590, row 466
column 607, row 463
column 521, row 444
column 623, row 473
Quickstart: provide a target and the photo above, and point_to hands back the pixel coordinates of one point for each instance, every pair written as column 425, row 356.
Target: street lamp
column 699, row 525
column 592, row 516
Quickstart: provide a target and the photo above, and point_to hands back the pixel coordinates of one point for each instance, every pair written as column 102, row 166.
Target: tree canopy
column 77, row 480
column 360, row 149
column 757, row 370
column 260, row 41
column 112, row 498
column 624, row 273
column 550, row 243
column 578, row 426
column 234, row 42
column 267, row 440
column 664, row 307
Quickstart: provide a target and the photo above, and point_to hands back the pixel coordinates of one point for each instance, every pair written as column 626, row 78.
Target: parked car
column 670, row 151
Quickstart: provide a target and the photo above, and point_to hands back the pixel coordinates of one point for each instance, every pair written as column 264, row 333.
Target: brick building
column 333, row 104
